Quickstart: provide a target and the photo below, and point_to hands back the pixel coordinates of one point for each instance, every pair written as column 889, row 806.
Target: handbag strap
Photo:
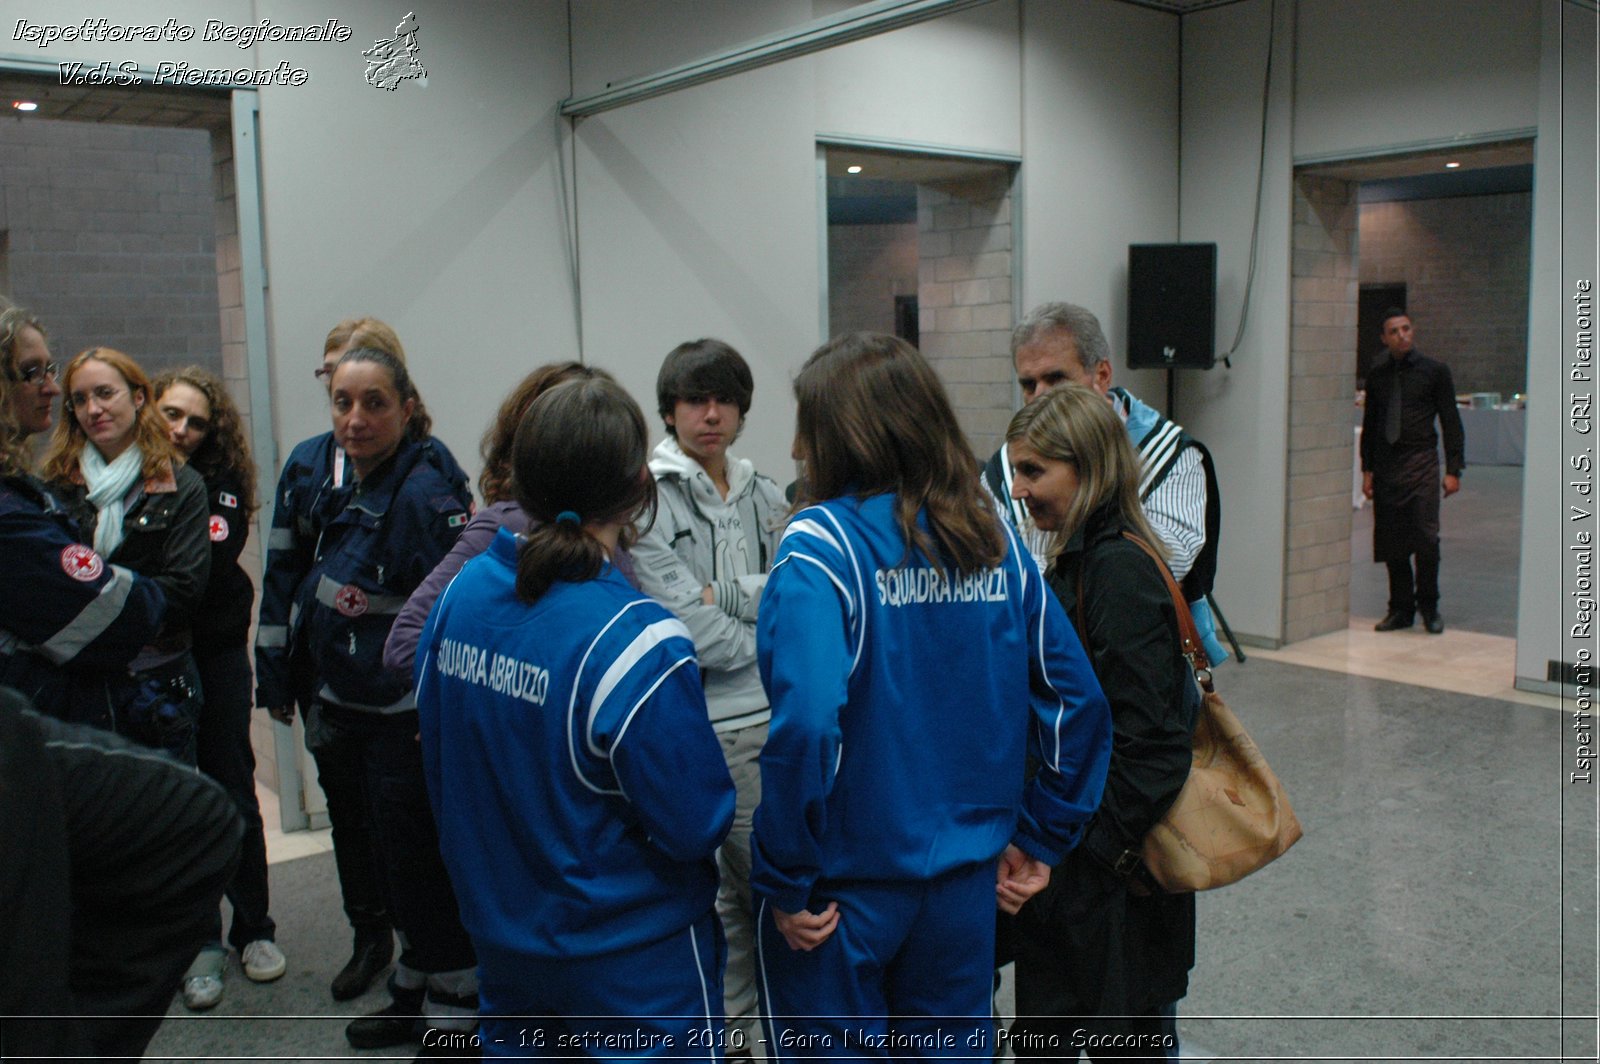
column 1194, row 650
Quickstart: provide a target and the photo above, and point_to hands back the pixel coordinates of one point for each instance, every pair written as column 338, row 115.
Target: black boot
column 367, row 961
column 396, row 1024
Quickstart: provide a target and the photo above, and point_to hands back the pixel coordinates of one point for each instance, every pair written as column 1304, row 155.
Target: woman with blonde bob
column 116, row 471
column 1097, row 949
column 913, row 660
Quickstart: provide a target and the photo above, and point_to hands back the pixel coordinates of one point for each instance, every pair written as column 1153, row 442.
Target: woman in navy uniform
column 380, row 536
column 66, row 657
column 205, row 428
column 113, row 467
column 316, row 471
column 579, row 786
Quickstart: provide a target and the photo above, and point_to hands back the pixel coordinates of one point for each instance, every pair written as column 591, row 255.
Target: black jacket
column 112, row 861
column 164, row 538
column 1087, row 945
column 223, row 618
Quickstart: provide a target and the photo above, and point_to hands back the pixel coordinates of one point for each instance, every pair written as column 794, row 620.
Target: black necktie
column 1391, row 426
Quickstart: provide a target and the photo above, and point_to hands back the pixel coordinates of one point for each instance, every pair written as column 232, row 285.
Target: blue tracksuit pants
column 906, row 973
column 662, row 1000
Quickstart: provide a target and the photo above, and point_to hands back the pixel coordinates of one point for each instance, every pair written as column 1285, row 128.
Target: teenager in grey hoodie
column 706, row 558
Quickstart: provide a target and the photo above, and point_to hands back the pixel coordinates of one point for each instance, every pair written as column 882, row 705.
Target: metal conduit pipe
column 866, row 20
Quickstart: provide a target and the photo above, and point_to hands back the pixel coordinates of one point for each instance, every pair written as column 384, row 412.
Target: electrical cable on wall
column 1261, row 168
column 569, row 207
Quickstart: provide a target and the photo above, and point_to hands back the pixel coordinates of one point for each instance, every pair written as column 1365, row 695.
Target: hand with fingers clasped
column 1019, row 878
column 806, row 930
column 281, row 714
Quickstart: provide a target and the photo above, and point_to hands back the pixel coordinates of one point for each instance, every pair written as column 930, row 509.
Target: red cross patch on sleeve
column 219, row 528
column 81, row 563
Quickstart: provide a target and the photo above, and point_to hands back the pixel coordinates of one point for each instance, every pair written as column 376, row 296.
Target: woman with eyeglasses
column 113, row 467
column 205, row 428
column 67, row 657
column 315, row 479
column 378, row 540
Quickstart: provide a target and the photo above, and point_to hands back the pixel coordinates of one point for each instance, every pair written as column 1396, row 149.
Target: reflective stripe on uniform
column 328, row 594
column 272, row 636
column 281, row 539
column 404, row 704
column 101, row 613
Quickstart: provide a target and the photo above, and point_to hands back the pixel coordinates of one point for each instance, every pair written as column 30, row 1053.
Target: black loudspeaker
column 1172, row 306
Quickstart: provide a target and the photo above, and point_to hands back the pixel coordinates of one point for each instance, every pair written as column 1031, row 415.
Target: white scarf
column 108, row 485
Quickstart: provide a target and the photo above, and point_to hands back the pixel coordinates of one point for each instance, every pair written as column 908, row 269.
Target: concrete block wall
column 111, row 237
column 1321, row 392
column 964, row 292
column 1464, row 262
column 868, row 265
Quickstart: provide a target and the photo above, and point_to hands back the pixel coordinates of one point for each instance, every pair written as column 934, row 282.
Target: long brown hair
column 16, row 457
column 225, row 448
column 874, row 417
column 149, row 427
column 580, row 457
column 495, row 482
column 377, row 335
column 1071, row 423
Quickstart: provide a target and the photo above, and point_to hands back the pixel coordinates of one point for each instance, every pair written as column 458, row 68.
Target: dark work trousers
column 381, row 752
column 355, row 852
column 223, row 748
column 1408, row 594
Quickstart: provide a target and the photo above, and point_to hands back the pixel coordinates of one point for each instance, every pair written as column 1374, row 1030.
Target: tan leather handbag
column 1233, row 815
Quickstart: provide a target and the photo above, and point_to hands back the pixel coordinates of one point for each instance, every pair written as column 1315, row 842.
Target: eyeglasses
column 36, row 373
column 102, row 395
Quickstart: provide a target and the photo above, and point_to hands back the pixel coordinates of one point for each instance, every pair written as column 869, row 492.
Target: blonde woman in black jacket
column 1101, row 960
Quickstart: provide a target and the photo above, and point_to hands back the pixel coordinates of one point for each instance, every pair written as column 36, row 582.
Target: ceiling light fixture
column 1452, row 166
column 852, row 169
column 24, row 105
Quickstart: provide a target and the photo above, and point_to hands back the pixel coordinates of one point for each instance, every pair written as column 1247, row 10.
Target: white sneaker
column 202, row 983
column 263, row 961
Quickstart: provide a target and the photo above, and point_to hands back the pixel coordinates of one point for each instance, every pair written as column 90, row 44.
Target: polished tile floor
column 1442, row 905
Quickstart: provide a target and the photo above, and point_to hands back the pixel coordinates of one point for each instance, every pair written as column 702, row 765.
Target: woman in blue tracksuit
column 316, row 473
column 379, row 537
column 579, row 788
column 914, row 659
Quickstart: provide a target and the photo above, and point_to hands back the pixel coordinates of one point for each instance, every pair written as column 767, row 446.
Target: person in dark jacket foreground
column 1101, row 961
column 205, row 429
column 112, row 861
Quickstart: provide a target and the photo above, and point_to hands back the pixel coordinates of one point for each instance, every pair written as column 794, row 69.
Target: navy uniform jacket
column 223, row 619
column 579, row 789
column 314, row 486
column 69, row 622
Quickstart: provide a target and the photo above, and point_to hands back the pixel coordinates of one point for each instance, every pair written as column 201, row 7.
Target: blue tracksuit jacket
column 904, row 700
column 579, row 789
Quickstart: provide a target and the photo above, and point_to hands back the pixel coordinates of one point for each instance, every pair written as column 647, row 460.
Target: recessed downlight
column 24, row 105
column 852, row 169
column 1452, row 166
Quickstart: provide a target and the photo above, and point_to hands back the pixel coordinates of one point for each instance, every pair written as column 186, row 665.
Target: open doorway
column 1450, row 245
column 120, row 215
column 921, row 246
